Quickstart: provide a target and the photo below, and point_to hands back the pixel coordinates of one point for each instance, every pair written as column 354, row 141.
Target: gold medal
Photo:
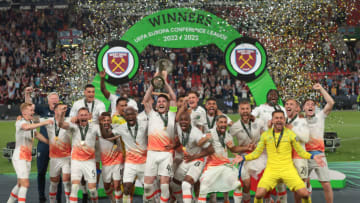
column 165, row 128
column 82, row 143
column 90, row 120
column 184, row 149
column 114, row 146
column 56, row 138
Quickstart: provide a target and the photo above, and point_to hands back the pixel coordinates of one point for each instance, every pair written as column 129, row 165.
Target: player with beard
column 190, row 169
column 301, row 129
column 161, row 129
column 247, row 131
column 316, row 123
column 121, row 92
column 84, row 136
column 218, row 175
column 264, row 112
column 60, row 151
column 212, row 112
column 279, row 142
column 112, row 159
column 134, row 136
column 95, row 107
column 22, row 156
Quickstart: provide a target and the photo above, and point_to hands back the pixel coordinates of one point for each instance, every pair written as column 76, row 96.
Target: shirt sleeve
column 255, row 112
column 302, row 131
column 298, row 148
column 73, row 110
column 259, row 149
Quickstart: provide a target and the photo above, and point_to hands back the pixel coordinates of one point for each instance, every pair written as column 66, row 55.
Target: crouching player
column 82, row 153
column 112, row 159
column 133, row 134
column 190, row 169
column 219, row 175
column 21, row 159
column 59, row 153
column 279, row 142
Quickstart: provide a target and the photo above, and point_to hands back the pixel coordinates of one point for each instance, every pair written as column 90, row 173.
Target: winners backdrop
column 185, row 28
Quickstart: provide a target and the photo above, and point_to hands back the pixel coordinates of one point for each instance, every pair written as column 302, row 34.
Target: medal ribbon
column 185, row 138
column 92, row 105
column 222, row 139
column 278, row 142
column 165, row 120
column 292, row 120
column 248, row 132
column 212, row 123
column 83, row 134
column 136, row 131
column 57, row 130
column 32, row 131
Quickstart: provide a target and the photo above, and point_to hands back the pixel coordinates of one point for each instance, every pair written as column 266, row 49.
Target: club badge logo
column 118, row 62
column 245, row 59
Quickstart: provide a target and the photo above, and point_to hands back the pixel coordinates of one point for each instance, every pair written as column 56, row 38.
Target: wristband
column 173, row 108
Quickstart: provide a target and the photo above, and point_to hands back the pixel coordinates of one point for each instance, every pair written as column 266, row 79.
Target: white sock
column 94, row 195
column 52, row 191
column 74, row 192
column 22, row 194
column 165, row 193
column 67, row 189
column 176, row 191
column 237, row 195
column 246, row 197
column 14, row 194
column 149, row 192
column 127, row 198
column 202, row 198
column 118, row 196
column 187, row 194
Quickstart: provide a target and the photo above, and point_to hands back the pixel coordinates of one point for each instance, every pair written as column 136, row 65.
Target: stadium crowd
column 29, row 37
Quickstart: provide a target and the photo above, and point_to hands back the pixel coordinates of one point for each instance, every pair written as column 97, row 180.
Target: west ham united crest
column 119, row 59
column 245, row 58
column 118, row 62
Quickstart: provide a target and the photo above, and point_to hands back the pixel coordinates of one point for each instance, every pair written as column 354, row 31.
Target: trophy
column 161, row 65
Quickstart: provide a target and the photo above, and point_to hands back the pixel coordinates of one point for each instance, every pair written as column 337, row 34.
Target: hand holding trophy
column 163, row 67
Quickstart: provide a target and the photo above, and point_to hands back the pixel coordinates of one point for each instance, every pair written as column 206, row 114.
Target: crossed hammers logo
column 246, row 62
column 118, row 65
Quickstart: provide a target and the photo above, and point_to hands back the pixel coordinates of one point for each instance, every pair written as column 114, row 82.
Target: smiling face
column 130, row 116
column 28, row 112
column 184, row 121
column 291, row 108
column 272, row 97
column 278, row 120
column 89, row 93
column 309, row 108
column 221, row 125
column 211, row 107
column 193, row 100
column 162, row 105
column 245, row 111
column 83, row 117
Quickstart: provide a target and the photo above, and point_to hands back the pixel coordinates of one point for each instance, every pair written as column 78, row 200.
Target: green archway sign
column 185, row 28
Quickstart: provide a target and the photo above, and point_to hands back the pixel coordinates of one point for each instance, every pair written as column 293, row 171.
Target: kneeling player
column 112, row 158
column 83, row 153
column 189, row 170
column 21, row 159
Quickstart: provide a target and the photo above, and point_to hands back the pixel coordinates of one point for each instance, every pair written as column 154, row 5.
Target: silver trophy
column 161, row 65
